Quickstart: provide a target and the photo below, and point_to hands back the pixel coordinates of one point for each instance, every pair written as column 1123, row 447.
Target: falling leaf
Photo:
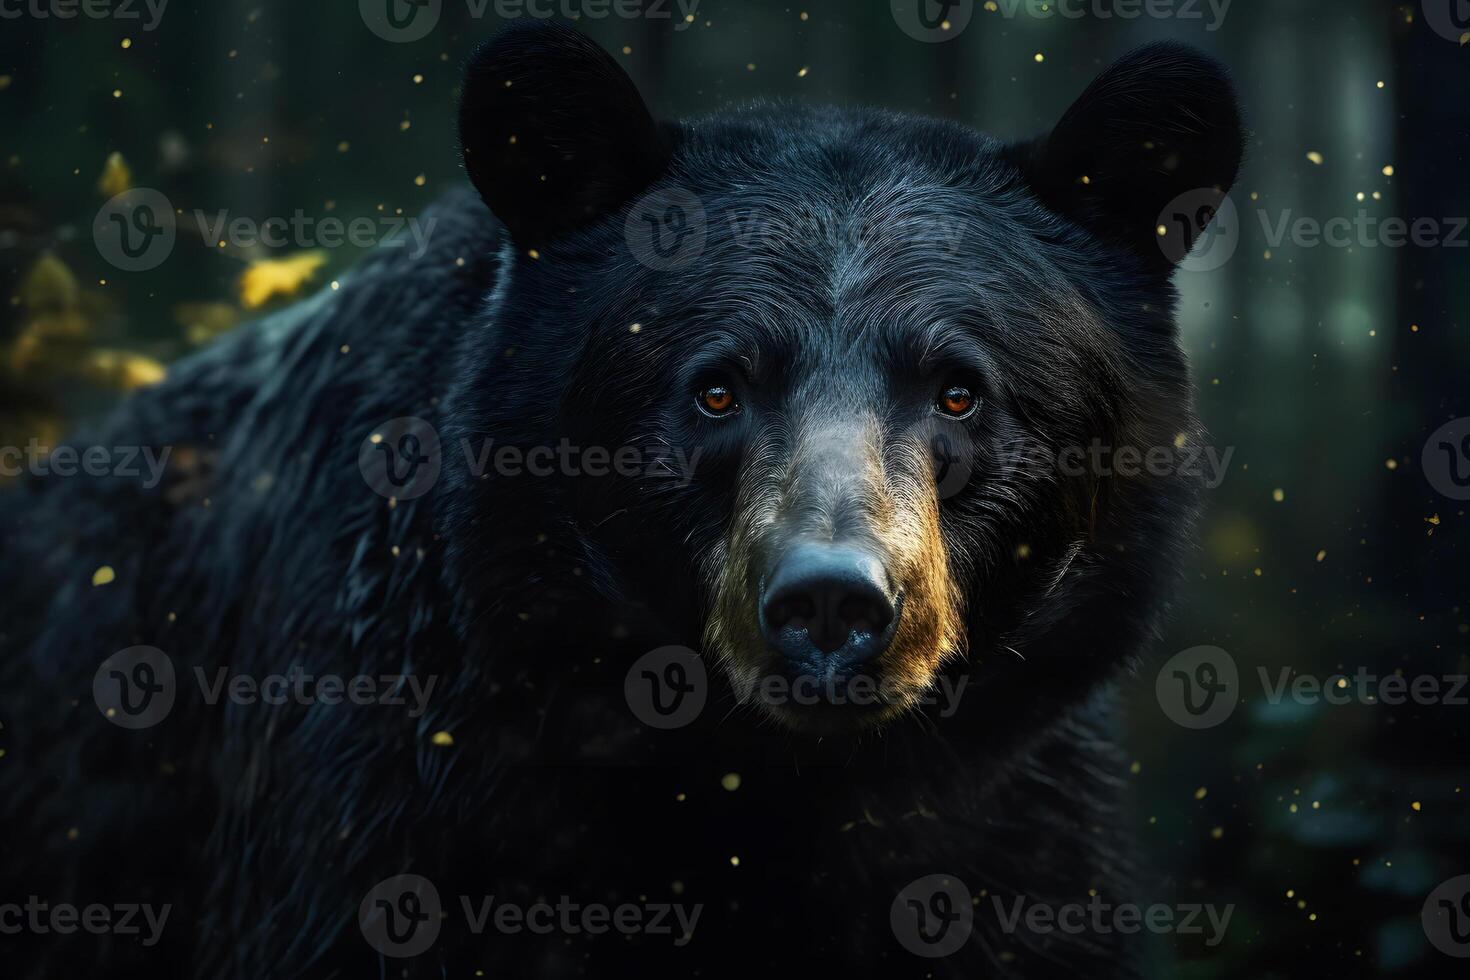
column 50, row 286
column 123, row 370
column 267, row 278
column 116, row 176
column 56, row 331
column 203, row 322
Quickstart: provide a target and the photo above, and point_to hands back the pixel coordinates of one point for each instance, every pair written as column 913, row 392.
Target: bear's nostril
column 793, row 612
column 825, row 600
column 863, row 615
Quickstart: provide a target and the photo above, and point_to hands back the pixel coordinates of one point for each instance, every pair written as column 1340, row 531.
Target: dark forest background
column 1326, row 369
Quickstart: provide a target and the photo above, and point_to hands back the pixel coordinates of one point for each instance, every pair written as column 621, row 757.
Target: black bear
column 817, row 393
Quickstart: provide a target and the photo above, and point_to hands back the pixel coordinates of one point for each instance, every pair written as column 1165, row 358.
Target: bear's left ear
column 553, row 132
column 1161, row 122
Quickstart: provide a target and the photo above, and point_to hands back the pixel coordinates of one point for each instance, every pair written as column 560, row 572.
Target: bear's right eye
column 717, row 401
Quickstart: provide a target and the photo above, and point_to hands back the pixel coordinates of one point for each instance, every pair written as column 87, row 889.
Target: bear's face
column 888, row 334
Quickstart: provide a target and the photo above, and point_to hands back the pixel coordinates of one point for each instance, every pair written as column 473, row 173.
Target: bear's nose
column 827, row 607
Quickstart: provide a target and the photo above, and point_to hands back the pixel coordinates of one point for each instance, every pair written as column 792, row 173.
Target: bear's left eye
column 957, row 402
column 717, row 401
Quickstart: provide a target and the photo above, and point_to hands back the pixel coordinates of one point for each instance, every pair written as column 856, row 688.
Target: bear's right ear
column 1158, row 130
column 553, row 132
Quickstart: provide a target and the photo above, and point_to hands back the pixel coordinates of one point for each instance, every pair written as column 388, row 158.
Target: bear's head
column 891, row 398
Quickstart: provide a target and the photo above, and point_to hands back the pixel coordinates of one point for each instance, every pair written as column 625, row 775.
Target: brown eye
column 957, row 402
column 717, row 401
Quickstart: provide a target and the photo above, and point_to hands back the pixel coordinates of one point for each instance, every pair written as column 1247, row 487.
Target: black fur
column 529, row 597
